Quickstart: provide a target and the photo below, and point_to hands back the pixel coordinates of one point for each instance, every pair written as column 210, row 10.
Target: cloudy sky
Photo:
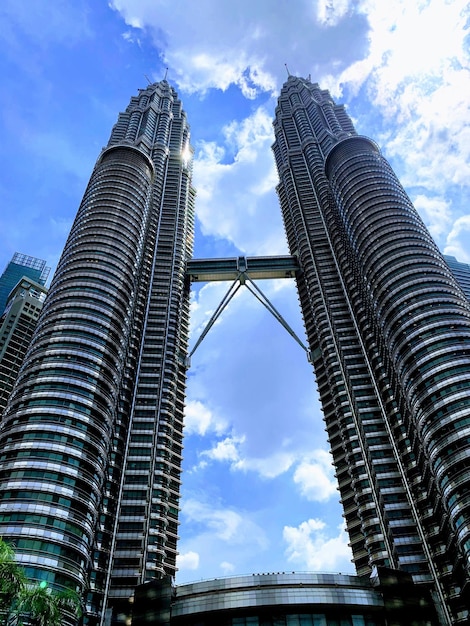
column 259, row 492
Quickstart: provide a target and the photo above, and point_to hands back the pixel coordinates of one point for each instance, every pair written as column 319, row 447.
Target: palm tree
column 42, row 606
column 12, row 581
column 33, row 604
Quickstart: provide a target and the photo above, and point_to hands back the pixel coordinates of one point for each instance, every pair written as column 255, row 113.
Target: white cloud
column 409, row 43
column 271, row 466
column 225, row 539
column 310, row 547
column 224, row 524
column 235, row 197
column 331, row 12
column 230, row 450
column 224, row 53
column 200, row 419
column 313, row 473
column 132, row 37
column 315, row 477
column 225, row 450
column 239, row 43
column 227, row 567
column 454, row 244
column 203, row 71
column 188, row 561
column 435, row 212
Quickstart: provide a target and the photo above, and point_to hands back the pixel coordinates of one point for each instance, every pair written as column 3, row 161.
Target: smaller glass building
column 286, row 599
column 17, row 324
column 461, row 271
column 19, row 266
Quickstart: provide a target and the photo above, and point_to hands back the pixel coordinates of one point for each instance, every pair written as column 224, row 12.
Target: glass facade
column 91, row 440
column 16, row 329
column 285, row 599
column 389, row 331
column 461, row 271
column 19, row 266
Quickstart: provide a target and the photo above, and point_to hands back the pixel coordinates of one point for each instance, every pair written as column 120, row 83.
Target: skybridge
column 243, row 271
column 256, row 267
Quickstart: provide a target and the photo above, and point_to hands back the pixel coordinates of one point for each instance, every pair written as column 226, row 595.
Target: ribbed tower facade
column 91, row 439
column 389, row 331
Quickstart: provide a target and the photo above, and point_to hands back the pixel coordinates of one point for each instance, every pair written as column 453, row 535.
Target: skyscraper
column 461, row 271
column 19, row 266
column 91, row 439
column 16, row 329
column 389, row 330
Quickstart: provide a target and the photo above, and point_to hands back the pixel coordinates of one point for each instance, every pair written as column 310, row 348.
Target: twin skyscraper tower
column 91, row 440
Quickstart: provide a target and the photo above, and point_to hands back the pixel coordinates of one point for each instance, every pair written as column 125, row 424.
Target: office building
column 19, row 266
column 16, row 328
column 389, row 330
column 286, row 599
column 90, row 446
column 461, row 271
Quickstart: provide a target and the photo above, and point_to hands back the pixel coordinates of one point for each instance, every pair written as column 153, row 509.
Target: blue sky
column 259, row 492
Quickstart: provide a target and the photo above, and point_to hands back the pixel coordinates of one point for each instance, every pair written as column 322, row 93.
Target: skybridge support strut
column 242, row 271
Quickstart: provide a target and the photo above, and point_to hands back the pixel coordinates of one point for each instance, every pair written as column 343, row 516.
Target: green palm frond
column 24, row 603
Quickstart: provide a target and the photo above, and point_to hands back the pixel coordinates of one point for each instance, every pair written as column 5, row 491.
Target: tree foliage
column 12, row 581
column 42, row 606
column 25, row 603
